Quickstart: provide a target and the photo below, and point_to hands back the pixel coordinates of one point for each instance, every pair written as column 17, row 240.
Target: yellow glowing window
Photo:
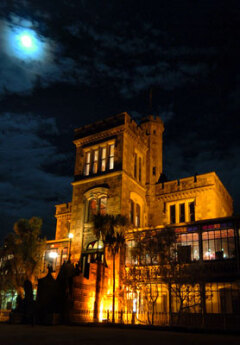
column 103, row 205
column 137, row 216
column 87, row 163
column 111, row 157
column 95, row 161
column 103, row 158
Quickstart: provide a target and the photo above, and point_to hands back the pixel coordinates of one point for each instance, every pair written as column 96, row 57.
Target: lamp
column 53, row 255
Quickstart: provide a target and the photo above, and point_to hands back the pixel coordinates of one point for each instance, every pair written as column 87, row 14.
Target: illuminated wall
column 117, row 170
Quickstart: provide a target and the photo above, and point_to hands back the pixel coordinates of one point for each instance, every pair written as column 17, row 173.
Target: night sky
column 64, row 64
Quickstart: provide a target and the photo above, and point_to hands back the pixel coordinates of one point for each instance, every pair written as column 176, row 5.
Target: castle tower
column 153, row 127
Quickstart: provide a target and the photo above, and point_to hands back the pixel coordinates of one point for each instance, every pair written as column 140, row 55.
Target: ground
column 69, row 335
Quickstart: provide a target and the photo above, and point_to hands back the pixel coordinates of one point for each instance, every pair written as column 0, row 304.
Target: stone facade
column 118, row 170
column 134, row 176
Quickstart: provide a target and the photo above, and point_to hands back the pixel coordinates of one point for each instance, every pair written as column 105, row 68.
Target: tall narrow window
column 182, row 213
column 103, row 158
column 92, row 208
column 103, row 205
column 140, row 169
column 191, row 212
column 111, row 157
column 95, row 161
column 87, row 163
column 131, row 215
column 137, row 217
column 172, row 214
column 135, row 165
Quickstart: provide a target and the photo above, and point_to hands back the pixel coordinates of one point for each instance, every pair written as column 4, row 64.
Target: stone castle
column 118, row 170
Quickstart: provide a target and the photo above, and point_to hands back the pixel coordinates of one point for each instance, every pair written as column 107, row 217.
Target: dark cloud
column 27, row 189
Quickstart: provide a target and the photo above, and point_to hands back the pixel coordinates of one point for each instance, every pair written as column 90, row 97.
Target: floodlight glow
column 53, row 255
column 70, row 235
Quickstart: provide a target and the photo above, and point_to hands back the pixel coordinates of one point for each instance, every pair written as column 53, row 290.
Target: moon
column 25, row 43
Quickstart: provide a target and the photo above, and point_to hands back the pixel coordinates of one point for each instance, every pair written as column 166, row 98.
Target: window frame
column 178, row 203
column 87, row 163
column 99, row 158
column 101, row 198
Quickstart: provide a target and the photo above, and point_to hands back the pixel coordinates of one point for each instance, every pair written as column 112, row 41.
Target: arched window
column 95, row 245
column 96, row 206
column 96, row 203
column 135, row 214
column 138, row 215
column 136, row 210
column 92, row 208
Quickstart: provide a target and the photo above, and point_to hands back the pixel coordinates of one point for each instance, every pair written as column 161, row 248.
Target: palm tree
column 101, row 228
column 111, row 230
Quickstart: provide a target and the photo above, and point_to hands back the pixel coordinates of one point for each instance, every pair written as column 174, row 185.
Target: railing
column 162, row 319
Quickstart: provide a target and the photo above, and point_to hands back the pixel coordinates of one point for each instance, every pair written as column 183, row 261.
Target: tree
column 111, row 230
column 161, row 261
column 151, row 250
column 21, row 255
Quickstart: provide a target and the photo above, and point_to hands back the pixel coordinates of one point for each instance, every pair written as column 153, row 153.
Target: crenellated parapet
column 63, row 209
column 207, row 180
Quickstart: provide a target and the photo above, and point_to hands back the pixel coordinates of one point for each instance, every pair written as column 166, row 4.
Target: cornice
column 99, row 136
column 184, row 193
column 97, row 178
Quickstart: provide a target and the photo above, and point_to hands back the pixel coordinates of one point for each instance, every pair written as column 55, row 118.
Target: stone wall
column 63, row 216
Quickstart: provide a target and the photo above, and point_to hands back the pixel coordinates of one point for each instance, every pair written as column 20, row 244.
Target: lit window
column 92, row 208
column 111, row 157
column 188, row 247
column 182, row 213
column 218, row 244
column 137, row 217
column 103, row 158
column 103, row 205
column 172, row 214
column 96, row 206
column 95, row 161
column 87, row 163
column 131, row 259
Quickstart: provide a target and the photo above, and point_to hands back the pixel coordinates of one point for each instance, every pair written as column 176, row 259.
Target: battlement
column 63, row 208
column 100, row 126
column 192, row 182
